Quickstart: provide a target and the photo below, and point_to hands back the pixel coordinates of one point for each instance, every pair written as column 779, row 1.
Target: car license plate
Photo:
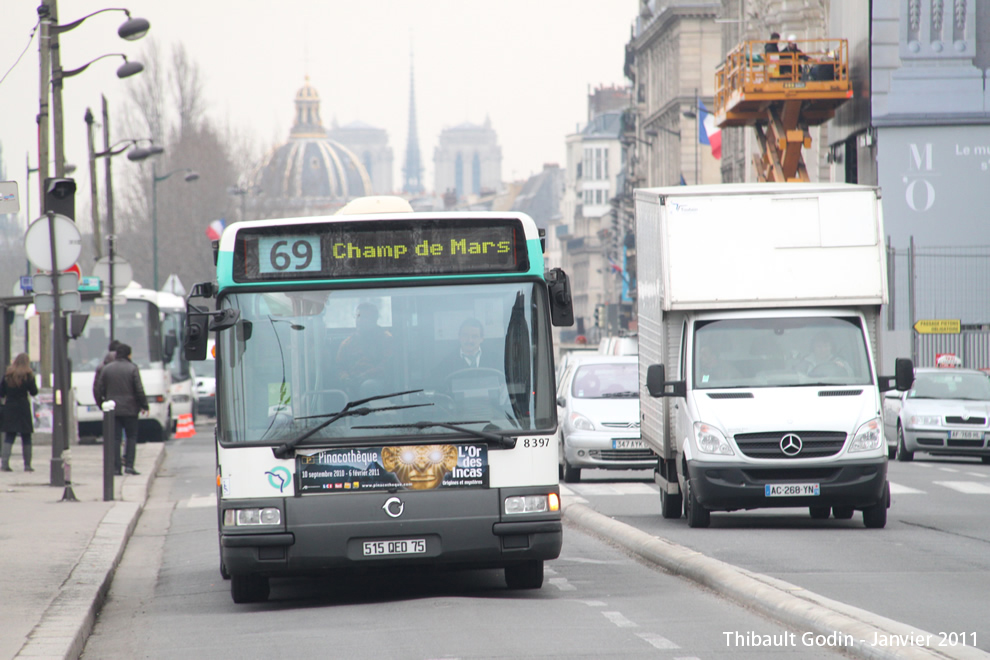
column 966, row 435
column 403, row 547
column 792, row 490
column 628, row 444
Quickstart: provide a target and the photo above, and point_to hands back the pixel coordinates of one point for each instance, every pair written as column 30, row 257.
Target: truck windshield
column 780, row 352
column 475, row 356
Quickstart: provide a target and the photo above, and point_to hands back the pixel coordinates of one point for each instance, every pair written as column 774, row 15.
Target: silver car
column 946, row 412
column 598, row 411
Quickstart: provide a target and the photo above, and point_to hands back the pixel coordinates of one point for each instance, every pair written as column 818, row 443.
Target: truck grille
column 814, row 444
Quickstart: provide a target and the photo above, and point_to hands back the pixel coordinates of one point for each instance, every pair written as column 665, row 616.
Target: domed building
column 310, row 174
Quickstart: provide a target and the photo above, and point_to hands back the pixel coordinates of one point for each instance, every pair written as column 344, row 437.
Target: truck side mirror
column 904, row 374
column 657, row 384
column 655, row 376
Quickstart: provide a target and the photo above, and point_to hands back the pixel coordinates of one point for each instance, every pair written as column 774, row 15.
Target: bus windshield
column 479, row 353
column 135, row 323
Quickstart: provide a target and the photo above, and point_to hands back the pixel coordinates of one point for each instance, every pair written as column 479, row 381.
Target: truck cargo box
column 765, row 245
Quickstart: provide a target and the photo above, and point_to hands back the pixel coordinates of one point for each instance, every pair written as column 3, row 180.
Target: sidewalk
column 57, row 558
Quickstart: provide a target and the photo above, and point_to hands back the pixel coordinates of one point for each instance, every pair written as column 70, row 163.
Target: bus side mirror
column 561, row 309
column 168, row 350
column 197, row 333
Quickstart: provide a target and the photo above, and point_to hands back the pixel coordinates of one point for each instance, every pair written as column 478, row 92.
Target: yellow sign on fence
column 939, row 327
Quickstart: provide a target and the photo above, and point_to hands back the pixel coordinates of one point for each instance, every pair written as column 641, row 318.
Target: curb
column 68, row 621
column 851, row 628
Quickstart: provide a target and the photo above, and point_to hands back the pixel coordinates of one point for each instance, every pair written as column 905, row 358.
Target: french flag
column 215, row 229
column 708, row 132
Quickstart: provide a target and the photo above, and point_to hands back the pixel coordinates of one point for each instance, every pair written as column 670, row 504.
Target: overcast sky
column 525, row 64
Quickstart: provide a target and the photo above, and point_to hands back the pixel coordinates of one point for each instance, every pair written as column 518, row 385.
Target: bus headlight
column 532, row 503
column 250, row 517
column 867, row 437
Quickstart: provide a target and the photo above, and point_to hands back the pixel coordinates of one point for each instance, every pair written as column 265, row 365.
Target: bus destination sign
column 362, row 249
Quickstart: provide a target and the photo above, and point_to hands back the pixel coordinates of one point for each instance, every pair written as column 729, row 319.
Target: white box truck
column 759, row 314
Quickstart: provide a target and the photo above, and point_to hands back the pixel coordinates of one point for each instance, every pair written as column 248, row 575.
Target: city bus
column 152, row 334
column 323, row 465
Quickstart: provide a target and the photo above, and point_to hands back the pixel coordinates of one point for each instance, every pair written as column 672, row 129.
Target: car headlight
column 532, row 503
column 924, row 420
column 581, row 423
column 868, row 437
column 710, row 440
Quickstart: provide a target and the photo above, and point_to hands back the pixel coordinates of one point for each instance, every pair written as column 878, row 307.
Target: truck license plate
column 628, row 444
column 792, row 490
column 403, row 547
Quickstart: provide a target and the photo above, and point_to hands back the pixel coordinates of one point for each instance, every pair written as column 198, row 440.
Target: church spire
column 413, row 169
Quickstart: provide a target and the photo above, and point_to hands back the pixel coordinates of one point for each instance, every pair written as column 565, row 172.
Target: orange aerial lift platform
column 781, row 94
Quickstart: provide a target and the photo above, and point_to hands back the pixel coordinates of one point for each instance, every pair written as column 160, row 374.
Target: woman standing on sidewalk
column 17, row 385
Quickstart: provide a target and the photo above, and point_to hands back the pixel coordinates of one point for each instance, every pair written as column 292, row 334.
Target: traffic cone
column 185, row 427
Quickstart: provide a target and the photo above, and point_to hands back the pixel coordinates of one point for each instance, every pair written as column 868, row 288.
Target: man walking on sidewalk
column 120, row 382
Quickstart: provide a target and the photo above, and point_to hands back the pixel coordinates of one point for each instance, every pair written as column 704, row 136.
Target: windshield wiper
column 620, row 395
column 501, row 441
column 352, row 409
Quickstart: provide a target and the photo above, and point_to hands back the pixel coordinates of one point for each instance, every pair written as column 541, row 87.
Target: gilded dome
column 311, row 169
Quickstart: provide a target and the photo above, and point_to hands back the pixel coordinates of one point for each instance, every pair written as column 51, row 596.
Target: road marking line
column 944, row 469
column 616, row 489
column 562, row 584
column 967, row 487
column 657, row 641
column 200, row 502
column 977, row 474
column 900, row 489
column 619, row 620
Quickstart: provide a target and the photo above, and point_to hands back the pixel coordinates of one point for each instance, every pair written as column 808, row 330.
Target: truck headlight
column 252, row 517
column 924, row 420
column 868, row 436
column 710, row 440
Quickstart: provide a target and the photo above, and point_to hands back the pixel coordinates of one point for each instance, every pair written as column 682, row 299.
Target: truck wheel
column 842, row 512
column 572, row 475
column 671, row 506
column 527, row 575
column 697, row 515
column 249, row 588
column 903, row 455
column 819, row 512
column 875, row 517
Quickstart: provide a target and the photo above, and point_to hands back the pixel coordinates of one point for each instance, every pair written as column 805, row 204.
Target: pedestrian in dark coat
column 120, row 382
column 107, row 359
column 17, row 387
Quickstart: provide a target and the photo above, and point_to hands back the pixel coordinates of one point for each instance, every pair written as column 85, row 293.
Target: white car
column 598, row 413
column 946, row 412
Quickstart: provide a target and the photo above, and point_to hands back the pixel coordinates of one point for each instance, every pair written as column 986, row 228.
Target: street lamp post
column 191, row 175
column 50, row 71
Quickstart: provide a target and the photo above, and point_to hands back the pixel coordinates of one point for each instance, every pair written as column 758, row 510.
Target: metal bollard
column 109, row 449
column 67, row 494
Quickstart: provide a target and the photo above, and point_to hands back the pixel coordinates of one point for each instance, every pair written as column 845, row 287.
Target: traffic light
column 60, row 197
column 599, row 316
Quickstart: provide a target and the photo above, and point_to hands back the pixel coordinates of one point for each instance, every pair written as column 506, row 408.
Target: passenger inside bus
column 363, row 359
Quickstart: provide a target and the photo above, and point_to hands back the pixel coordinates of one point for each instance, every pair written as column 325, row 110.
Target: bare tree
column 187, row 85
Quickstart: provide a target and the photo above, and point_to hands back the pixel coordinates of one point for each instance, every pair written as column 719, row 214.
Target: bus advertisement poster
column 406, row 467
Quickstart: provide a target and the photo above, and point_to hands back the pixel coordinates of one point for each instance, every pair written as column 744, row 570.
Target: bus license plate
column 792, row 490
column 966, row 435
column 404, row 547
column 628, row 444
